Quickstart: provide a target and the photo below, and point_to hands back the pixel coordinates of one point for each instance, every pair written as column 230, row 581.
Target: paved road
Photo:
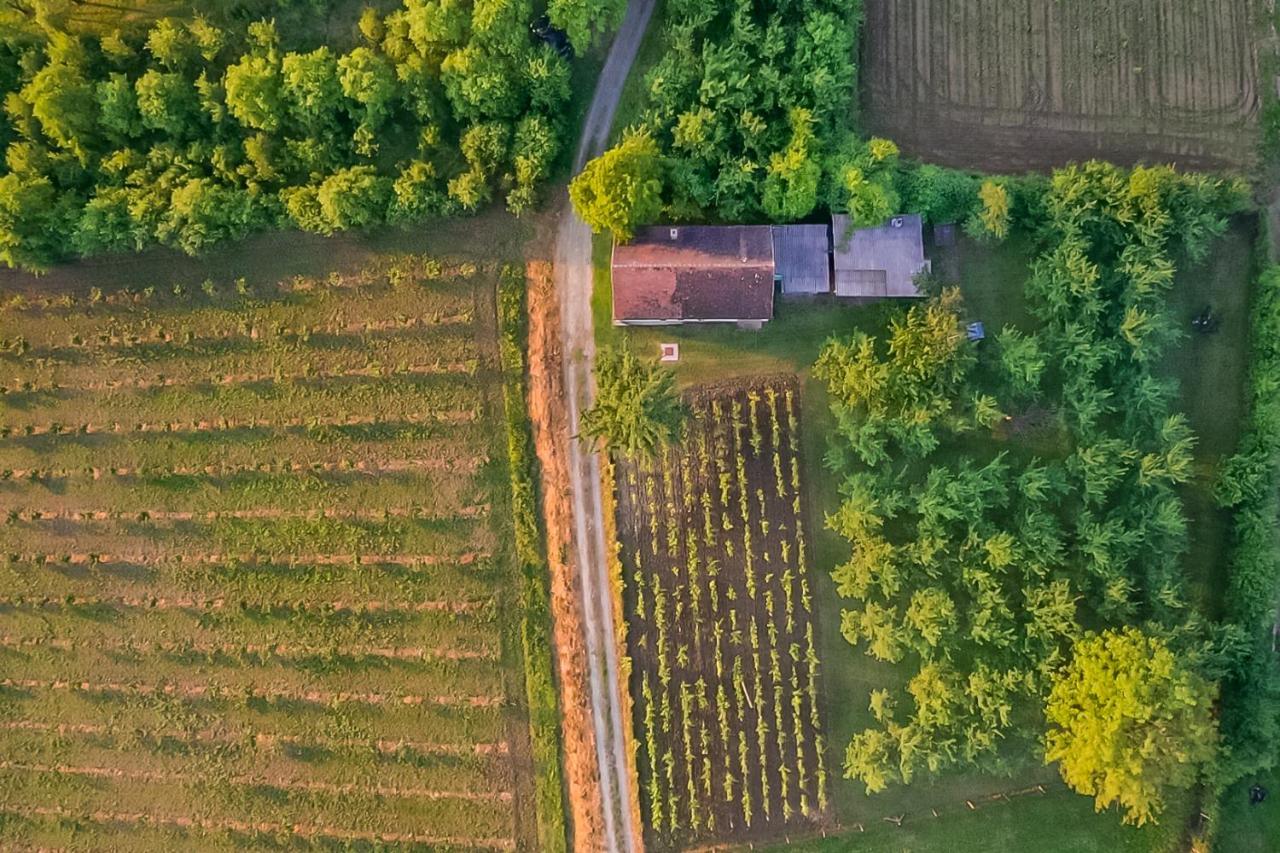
column 573, row 281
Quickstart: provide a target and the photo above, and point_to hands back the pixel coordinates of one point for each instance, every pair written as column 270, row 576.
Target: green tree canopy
column 1128, row 722
column 622, row 188
column 637, row 411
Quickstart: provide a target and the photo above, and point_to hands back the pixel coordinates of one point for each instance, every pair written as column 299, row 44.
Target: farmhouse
column 694, row 274
column 878, row 262
column 669, row 275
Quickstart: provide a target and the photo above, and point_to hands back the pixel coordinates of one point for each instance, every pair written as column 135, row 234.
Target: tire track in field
column 305, row 831
column 206, row 691
column 266, row 739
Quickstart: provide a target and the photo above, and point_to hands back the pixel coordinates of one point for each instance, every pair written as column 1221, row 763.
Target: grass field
column 991, row 279
column 1008, row 87
column 714, row 545
column 257, row 583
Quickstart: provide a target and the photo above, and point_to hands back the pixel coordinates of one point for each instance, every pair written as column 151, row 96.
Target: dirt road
column 573, row 281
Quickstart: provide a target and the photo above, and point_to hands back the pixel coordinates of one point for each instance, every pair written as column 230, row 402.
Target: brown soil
column 551, row 434
column 719, row 624
column 1030, row 86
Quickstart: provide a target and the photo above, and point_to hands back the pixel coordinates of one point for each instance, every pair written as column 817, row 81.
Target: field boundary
column 535, row 622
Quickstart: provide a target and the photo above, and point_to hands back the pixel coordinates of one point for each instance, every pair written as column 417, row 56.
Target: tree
column 368, row 79
column 119, row 106
column 1128, row 721
column 991, row 220
column 584, row 20
column 62, row 100
column 1022, row 361
column 637, row 411
column 32, row 218
column 791, row 186
column 255, row 94
column 170, row 43
column 204, row 212
column 311, row 87
column 622, row 187
column 167, row 102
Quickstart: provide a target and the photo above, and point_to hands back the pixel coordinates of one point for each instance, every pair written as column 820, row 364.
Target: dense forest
column 188, row 132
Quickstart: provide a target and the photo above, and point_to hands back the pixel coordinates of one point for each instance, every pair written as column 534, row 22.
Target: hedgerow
column 1247, row 486
column 535, row 625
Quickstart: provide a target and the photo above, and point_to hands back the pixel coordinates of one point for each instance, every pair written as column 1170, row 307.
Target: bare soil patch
column 1003, row 86
column 551, row 432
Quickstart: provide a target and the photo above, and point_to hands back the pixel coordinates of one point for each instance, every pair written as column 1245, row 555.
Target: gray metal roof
column 802, row 255
column 878, row 262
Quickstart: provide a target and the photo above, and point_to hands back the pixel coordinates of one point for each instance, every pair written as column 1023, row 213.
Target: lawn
column 1245, row 828
column 258, row 584
column 991, row 279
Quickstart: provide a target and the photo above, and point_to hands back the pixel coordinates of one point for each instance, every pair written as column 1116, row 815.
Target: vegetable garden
column 253, row 578
column 719, row 610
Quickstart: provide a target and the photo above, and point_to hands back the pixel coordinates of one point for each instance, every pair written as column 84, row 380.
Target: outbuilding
column 875, row 263
column 802, row 258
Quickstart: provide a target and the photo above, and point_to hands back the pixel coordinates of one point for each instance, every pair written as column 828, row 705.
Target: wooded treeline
column 187, row 133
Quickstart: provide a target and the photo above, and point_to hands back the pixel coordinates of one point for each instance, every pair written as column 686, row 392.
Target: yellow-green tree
column 1128, row 722
column 991, row 221
column 621, row 188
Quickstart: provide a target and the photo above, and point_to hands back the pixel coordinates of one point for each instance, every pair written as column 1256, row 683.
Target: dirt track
column 573, row 276
column 551, row 437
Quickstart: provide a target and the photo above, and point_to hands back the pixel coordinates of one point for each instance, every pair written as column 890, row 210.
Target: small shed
column 802, row 258
column 878, row 262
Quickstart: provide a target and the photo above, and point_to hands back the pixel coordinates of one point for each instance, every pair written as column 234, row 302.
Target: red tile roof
column 694, row 273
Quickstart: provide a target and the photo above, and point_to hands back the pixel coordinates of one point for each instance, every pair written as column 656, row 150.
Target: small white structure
column 670, row 352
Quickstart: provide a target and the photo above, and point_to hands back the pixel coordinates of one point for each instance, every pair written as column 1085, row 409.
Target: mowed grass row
column 251, row 572
column 308, row 727
column 261, row 579
column 283, row 535
column 437, row 354
column 214, row 408
column 179, row 461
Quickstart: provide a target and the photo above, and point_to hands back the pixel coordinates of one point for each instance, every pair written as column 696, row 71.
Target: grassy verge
column 1056, row 822
column 544, row 711
column 1249, row 490
column 635, row 93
